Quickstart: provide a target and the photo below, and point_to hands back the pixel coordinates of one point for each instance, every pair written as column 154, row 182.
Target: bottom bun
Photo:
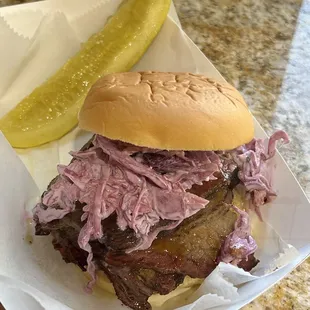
column 170, row 301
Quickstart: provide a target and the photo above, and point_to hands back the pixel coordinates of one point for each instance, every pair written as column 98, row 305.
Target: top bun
column 171, row 111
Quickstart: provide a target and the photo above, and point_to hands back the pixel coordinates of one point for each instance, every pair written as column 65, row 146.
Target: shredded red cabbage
column 256, row 168
column 239, row 244
column 255, row 173
column 113, row 177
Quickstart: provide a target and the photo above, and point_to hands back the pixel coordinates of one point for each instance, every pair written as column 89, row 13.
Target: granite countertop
column 262, row 48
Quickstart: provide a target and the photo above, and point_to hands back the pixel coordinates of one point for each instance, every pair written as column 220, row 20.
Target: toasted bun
column 170, row 301
column 172, row 111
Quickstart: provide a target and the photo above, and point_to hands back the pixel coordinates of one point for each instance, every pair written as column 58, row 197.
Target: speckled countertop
column 262, row 48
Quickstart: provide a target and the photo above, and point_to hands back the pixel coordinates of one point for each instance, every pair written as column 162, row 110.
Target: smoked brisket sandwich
column 160, row 195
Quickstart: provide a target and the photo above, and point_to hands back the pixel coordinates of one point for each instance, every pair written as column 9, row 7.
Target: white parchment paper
column 36, row 48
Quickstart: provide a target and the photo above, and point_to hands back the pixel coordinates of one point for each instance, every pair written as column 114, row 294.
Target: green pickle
column 51, row 110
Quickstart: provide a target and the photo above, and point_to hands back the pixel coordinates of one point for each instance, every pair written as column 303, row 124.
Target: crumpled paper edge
column 75, row 20
column 10, row 28
column 97, row 10
column 289, row 254
column 10, row 17
column 10, row 52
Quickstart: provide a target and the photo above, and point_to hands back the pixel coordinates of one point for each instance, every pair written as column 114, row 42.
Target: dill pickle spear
column 50, row 111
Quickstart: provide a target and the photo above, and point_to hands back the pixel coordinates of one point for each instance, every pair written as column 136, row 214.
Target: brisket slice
column 190, row 249
column 133, row 286
column 193, row 247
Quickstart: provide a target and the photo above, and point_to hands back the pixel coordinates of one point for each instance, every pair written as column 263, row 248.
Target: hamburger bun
column 171, row 111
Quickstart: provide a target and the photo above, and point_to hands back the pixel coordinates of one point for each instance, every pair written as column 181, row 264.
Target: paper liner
column 10, row 55
column 169, row 57
column 53, row 43
column 75, row 8
column 25, row 23
column 60, row 30
column 25, row 296
column 99, row 13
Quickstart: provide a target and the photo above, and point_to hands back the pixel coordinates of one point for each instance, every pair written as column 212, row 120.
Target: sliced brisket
column 190, row 249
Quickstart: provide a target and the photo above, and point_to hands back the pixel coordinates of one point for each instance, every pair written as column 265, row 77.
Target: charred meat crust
column 191, row 249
